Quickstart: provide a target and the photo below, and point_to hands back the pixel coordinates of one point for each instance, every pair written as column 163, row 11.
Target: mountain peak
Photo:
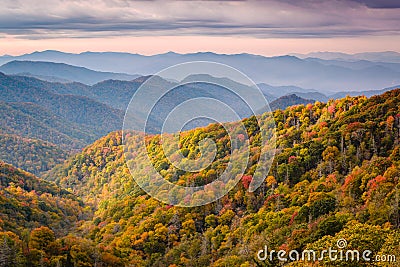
column 49, row 52
column 289, row 100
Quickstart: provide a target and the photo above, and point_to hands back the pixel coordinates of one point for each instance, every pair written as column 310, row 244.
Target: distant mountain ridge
column 277, row 71
column 387, row 56
column 279, row 91
column 61, row 72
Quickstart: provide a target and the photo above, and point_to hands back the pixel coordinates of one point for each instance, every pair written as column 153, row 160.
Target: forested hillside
column 33, row 214
column 335, row 175
column 61, row 117
column 73, row 115
column 32, row 121
column 72, row 108
column 289, row 100
column 32, row 155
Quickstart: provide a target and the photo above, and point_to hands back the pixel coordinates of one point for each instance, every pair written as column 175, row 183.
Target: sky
column 152, row 27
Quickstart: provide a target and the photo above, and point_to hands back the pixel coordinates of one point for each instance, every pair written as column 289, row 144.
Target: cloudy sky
column 149, row 27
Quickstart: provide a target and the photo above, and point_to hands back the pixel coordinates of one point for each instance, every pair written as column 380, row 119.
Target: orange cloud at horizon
column 149, row 45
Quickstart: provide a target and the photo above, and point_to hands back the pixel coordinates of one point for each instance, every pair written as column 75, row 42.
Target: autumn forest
column 335, row 176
